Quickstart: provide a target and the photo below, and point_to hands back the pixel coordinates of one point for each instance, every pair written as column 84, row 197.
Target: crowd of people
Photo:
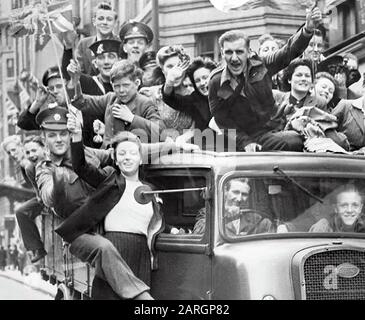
column 112, row 103
column 12, row 258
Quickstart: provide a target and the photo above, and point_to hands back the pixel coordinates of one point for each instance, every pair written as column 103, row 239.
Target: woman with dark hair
column 196, row 104
column 304, row 109
column 297, row 79
column 175, row 121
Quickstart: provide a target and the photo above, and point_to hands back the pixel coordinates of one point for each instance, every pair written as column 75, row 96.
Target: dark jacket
column 251, row 112
column 92, row 85
column 195, row 105
column 350, row 118
column 61, row 188
column 110, row 186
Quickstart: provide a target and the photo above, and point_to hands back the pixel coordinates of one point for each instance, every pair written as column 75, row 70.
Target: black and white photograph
column 182, row 155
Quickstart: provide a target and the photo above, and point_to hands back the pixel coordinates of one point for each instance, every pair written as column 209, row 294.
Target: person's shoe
column 144, row 296
column 38, row 255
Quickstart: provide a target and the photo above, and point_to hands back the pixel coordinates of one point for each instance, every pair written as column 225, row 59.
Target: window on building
column 347, row 15
column 207, row 45
column 10, row 68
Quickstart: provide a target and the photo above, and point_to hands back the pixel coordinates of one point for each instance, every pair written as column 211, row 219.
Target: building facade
column 197, row 25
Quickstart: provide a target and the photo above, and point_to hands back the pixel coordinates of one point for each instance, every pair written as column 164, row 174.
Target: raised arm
column 295, row 46
column 86, row 171
column 181, row 103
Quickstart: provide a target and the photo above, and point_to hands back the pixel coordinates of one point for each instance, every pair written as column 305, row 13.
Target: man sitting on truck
column 238, row 218
column 61, row 189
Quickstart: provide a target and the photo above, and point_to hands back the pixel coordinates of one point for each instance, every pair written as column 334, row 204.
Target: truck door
column 184, row 259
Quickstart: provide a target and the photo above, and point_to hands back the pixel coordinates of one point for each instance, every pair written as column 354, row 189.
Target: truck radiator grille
column 335, row 275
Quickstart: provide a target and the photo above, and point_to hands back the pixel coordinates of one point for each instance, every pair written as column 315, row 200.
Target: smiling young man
column 136, row 38
column 105, row 19
column 347, row 215
column 240, row 92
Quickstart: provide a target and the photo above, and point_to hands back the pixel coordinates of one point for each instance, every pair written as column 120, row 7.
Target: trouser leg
column 109, row 265
column 26, row 215
column 282, row 141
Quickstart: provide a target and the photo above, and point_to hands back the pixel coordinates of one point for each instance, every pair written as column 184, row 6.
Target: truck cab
column 275, row 255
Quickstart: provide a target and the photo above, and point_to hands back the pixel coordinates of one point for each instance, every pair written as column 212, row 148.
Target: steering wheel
column 243, row 212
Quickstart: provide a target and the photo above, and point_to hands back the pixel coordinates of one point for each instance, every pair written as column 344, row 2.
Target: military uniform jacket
column 60, row 187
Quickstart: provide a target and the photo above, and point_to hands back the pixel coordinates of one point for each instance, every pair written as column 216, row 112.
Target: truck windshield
column 276, row 205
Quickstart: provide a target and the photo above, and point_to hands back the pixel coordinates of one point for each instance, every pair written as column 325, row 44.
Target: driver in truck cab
column 239, row 219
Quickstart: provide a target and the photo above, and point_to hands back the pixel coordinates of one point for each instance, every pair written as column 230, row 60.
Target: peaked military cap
column 52, row 117
column 148, row 58
column 51, row 73
column 103, row 46
column 135, row 29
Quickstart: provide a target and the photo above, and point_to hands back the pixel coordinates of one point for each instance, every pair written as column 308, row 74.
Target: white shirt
column 128, row 215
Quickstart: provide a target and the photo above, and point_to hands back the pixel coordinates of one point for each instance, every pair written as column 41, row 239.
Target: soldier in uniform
column 51, row 91
column 240, row 92
column 106, row 54
column 61, row 189
column 136, row 38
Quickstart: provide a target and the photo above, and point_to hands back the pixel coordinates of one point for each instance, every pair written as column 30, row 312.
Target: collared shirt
column 295, row 102
column 227, row 77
